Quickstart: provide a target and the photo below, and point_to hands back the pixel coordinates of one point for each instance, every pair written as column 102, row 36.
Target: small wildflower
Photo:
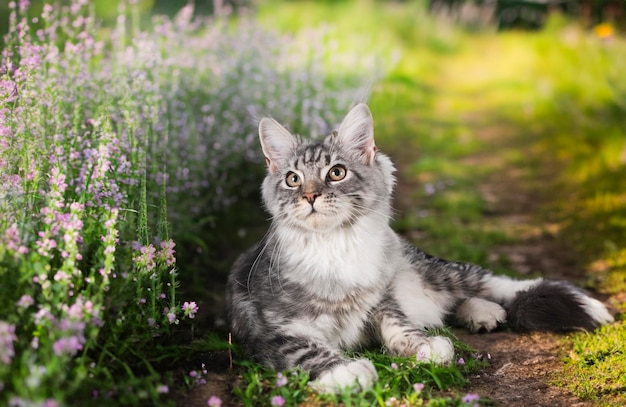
column 145, row 258
column 470, row 397
column 429, row 189
column 391, row 401
column 418, row 387
column 278, row 401
column 394, row 366
column 171, row 317
column 67, row 346
column 280, row 380
column 604, row 31
column 166, row 254
column 190, row 309
column 7, row 337
column 163, row 389
column 214, row 401
column 25, row 301
column 461, row 361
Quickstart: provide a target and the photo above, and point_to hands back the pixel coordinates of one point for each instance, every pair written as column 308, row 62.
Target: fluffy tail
column 556, row 306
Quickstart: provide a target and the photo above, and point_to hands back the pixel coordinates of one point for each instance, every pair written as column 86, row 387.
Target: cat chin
column 318, row 223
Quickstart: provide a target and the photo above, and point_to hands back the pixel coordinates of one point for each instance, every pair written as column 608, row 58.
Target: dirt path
column 523, row 367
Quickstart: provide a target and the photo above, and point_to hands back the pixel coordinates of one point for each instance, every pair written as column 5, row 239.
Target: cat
column 332, row 276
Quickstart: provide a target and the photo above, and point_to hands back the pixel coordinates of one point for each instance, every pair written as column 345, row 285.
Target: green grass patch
column 402, row 381
column 596, row 366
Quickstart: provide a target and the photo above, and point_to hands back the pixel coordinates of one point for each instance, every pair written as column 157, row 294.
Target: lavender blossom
column 7, row 337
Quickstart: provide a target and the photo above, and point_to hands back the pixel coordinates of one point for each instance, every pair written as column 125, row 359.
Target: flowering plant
column 111, row 144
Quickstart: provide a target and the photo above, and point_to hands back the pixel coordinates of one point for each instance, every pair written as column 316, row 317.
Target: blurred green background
column 529, row 14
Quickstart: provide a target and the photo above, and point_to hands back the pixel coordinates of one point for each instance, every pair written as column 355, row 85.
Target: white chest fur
column 345, row 274
column 337, row 263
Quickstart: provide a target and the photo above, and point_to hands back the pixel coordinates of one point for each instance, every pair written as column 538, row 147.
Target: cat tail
column 555, row 306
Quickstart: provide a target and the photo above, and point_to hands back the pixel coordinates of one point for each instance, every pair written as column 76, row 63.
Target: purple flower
column 461, row 361
column 470, row 397
column 145, row 258
column 420, row 356
column 429, row 189
column 394, row 366
column 7, row 337
column 163, row 389
column 280, row 380
column 214, row 401
column 25, row 301
column 166, row 254
column 45, row 245
column 418, row 387
column 67, row 346
column 13, row 241
column 278, row 401
column 190, row 309
column 171, row 317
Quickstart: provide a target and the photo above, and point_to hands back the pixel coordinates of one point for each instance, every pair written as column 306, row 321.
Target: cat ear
column 357, row 132
column 276, row 141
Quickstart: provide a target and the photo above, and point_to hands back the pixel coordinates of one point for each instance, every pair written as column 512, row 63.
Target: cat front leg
column 329, row 370
column 403, row 339
column 358, row 374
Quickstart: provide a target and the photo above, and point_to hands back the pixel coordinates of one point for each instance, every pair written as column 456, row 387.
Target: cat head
column 319, row 186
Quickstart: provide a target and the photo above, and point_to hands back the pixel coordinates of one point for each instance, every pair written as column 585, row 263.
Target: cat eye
column 337, row 173
column 293, row 180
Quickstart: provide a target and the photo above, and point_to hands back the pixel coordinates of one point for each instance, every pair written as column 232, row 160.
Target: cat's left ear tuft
column 277, row 143
column 357, row 132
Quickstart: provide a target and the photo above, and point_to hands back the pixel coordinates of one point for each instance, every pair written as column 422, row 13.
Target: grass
column 402, row 381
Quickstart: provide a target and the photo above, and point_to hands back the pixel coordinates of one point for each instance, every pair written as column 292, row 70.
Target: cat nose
column 310, row 197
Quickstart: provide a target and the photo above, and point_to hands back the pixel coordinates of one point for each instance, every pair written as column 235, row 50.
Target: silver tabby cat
column 332, row 276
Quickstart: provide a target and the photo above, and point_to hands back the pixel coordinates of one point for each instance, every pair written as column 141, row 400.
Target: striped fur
column 331, row 275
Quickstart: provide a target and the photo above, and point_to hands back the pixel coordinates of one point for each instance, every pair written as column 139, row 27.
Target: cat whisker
column 254, row 266
column 364, row 210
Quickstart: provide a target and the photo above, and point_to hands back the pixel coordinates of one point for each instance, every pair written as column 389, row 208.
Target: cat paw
column 436, row 349
column 479, row 314
column 359, row 374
